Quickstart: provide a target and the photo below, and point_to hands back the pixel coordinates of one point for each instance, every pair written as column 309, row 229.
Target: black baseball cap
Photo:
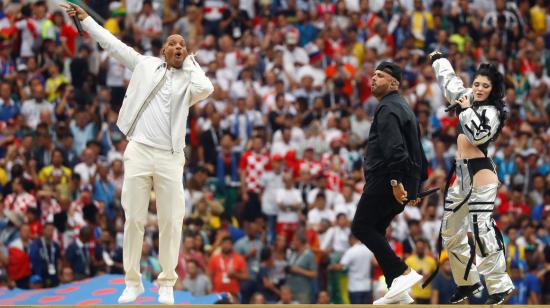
column 391, row 68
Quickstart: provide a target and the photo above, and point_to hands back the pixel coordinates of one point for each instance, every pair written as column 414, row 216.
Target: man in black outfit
column 394, row 166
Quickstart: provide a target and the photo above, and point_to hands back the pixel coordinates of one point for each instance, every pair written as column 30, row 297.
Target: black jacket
column 394, row 150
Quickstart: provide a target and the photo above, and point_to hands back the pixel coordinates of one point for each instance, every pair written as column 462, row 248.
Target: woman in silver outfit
column 470, row 200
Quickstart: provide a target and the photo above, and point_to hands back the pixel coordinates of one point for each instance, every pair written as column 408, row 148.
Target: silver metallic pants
column 484, row 254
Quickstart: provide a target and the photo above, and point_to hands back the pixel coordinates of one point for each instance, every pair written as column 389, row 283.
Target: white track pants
column 145, row 167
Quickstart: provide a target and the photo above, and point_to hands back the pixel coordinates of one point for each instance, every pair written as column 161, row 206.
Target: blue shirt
column 8, row 112
column 105, row 192
column 524, row 287
column 80, row 259
column 445, row 286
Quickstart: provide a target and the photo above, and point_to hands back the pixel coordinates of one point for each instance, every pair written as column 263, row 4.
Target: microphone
column 454, row 105
column 78, row 25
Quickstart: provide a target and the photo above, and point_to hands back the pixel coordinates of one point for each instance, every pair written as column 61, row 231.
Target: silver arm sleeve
column 450, row 83
column 479, row 125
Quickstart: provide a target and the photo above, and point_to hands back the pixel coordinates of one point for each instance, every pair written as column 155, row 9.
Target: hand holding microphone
column 76, row 13
column 464, row 102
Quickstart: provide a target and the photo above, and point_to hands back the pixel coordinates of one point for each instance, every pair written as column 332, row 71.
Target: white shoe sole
column 404, row 299
column 166, row 301
column 411, row 279
column 129, row 300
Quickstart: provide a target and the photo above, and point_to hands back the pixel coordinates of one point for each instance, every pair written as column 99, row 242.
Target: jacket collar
column 392, row 93
column 162, row 65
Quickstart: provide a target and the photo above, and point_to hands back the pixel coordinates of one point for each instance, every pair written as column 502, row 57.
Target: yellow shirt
column 421, row 21
column 538, row 19
column 359, row 52
column 426, row 265
column 45, row 174
column 52, row 84
column 112, row 25
column 3, row 177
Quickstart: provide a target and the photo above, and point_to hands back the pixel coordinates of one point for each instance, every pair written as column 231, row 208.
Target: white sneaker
column 402, row 283
column 401, row 299
column 166, row 295
column 130, row 294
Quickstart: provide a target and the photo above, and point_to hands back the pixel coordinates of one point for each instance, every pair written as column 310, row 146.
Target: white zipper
column 147, row 101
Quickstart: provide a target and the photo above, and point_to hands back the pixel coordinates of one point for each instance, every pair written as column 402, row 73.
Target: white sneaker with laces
column 166, row 295
column 401, row 299
column 402, row 283
column 130, row 294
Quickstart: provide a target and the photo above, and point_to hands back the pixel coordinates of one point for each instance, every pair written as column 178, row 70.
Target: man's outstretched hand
column 74, row 10
column 433, row 54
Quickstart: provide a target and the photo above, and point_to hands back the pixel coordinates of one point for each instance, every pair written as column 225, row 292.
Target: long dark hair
column 497, row 92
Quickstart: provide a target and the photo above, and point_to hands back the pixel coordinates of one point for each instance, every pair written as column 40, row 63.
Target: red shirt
column 220, row 266
column 36, row 229
column 69, row 32
column 516, row 209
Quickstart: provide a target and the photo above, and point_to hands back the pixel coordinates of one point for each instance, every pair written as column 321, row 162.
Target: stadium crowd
column 273, row 173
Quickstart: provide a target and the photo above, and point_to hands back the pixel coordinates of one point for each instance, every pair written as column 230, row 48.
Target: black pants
column 373, row 216
column 252, row 208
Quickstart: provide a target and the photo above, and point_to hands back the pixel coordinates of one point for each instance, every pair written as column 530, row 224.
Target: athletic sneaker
column 130, row 294
column 401, row 299
column 498, row 298
column 463, row 292
column 403, row 283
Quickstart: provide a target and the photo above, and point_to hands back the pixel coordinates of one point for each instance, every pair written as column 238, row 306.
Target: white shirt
column 86, row 172
column 31, row 111
column 116, row 72
column 348, row 208
column 288, row 197
column 378, row 43
column 357, row 260
column 272, row 182
column 153, row 127
column 298, row 54
column 337, row 239
column 430, row 229
column 27, row 39
column 360, row 128
column 148, row 24
column 314, row 216
column 134, row 6
column 331, row 197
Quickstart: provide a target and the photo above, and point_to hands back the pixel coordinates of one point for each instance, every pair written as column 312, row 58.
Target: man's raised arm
column 114, row 47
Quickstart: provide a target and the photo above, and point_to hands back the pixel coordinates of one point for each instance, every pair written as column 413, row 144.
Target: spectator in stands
column 227, row 269
column 45, row 256
column 424, row 264
column 443, row 285
column 301, row 269
column 195, row 281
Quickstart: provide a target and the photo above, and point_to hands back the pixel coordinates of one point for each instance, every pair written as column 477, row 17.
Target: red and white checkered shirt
column 49, row 207
column 19, row 203
column 254, row 165
column 334, row 180
column 328, row 160
column 313, row 167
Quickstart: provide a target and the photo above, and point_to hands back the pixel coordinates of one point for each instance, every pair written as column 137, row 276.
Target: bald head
column 174, row 51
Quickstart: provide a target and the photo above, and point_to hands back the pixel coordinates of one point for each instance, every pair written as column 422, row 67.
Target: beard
column 378, row 91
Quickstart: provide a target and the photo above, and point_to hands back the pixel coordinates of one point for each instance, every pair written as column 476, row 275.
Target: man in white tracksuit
column 153, row 117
